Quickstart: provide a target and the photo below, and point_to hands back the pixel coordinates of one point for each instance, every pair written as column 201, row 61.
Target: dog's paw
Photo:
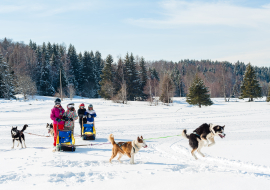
column 12, row 147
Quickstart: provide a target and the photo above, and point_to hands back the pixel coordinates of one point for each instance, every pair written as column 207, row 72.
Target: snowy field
column 239, row 161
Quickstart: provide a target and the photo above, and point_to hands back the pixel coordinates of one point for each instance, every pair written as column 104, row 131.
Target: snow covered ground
column 240, row 161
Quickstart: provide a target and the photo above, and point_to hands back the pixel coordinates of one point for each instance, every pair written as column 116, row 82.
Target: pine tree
column 143, row 78
column 56, row 66
column 37, row 69
column 131, row 78
column 107, row 90
column 46, row 88
column 176, row 77
column 198, row 94
column 6, row 79
column 74, row 62
column 98, row 69
column 87, row 75
column 250, row 87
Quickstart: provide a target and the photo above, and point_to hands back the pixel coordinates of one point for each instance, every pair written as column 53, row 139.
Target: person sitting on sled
column 90, row 114
column 81, row 112
column 70, row 116
column 57, row 116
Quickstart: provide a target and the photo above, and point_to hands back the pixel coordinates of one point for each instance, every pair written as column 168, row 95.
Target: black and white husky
column 50, row 129
column 202, row 136
column 18, row 135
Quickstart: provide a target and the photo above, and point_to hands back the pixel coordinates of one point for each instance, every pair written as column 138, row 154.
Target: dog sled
column 88, row 131
column 65, row 141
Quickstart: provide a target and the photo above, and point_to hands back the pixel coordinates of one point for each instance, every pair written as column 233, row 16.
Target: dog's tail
column 184, row 134
column 24, row 128
column 111, row 139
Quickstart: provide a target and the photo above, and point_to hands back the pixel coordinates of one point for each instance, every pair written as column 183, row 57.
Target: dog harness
column 121, row 145
column 196, row 134
column 125, row 143
column 134, row 147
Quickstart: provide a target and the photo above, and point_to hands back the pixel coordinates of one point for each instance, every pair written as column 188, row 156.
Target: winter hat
column 90, row 106
column 70, row 105
column 82, row 105
column 57, row 101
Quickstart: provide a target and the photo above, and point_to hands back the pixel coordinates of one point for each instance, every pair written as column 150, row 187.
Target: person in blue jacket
column 90, row 114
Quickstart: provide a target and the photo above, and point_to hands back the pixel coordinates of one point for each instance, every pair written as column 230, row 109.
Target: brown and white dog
column 50, row 129
column 126, row 148
column 202, row 135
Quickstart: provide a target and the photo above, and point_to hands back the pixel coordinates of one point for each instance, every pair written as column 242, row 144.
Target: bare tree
column 71, row 91
column 167, row 89
column 26, row 86
column 121, row 96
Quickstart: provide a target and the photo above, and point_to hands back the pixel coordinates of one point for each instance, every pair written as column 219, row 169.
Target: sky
column 171, row 30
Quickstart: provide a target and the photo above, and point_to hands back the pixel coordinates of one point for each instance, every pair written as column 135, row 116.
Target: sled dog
column 50, row 129
column 129, row 148
column 18, row 135
column 202, row 136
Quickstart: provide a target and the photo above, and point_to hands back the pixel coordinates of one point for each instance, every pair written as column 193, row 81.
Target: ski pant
column 60, row 127
column 80, row 121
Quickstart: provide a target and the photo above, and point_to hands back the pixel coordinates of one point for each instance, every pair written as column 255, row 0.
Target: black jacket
column 81, row 114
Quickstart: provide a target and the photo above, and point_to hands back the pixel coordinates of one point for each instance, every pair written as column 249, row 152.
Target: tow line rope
column 162, row 137
column 91, row 144
column 45, row 135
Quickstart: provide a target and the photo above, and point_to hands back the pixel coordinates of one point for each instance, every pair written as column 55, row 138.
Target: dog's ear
column 138, row 138
column 224, row 126
column 141, row 137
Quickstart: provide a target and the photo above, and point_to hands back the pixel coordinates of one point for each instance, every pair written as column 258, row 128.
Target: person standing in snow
column 90, row 114
column 57, row 113
column 70, row 116
column 81, row 112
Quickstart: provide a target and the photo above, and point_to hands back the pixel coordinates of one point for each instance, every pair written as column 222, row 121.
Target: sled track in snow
column 187, row 163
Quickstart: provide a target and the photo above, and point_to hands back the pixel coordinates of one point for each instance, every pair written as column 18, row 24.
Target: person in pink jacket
column 57, row 116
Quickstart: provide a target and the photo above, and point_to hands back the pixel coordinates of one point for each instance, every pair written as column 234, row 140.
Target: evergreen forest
column 34, row 69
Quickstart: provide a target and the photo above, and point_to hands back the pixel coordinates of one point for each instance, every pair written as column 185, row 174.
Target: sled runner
column 88, row 132
column 65, row 141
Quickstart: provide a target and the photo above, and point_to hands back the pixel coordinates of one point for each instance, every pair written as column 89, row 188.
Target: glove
column 70, row 119
column 65, row 118
column 58, row 119
column 92, row 116
column 84, row 120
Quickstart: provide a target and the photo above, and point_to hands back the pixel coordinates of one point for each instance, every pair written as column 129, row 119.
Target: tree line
column 35, row 69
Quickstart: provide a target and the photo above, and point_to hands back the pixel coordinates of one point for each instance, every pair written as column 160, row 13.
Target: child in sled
column 89, row 114
column 70, row 116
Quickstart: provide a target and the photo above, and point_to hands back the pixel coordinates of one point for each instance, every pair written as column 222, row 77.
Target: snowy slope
column 240, row 161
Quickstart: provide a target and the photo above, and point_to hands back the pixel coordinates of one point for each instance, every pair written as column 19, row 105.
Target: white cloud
column 177, row 13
